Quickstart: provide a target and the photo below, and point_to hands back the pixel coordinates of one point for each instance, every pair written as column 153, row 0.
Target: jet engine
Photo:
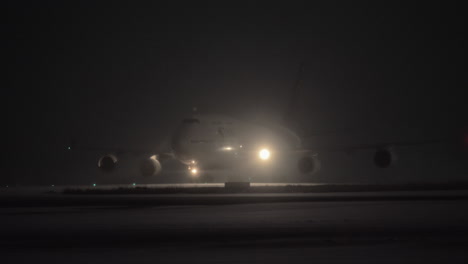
column 107, row 162
column 309, row 164
column 383, row 158
column 150, row 166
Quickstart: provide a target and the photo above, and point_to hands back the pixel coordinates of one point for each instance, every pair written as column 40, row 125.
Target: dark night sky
column 122, row 73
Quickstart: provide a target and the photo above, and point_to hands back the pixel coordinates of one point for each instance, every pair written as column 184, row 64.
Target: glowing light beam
column 264, row 154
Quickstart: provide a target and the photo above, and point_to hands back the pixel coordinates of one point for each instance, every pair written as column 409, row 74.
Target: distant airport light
column 194, row 171
column 69, row 148
column 134, row 184
column 94, row 185
column 264, row 154
column 227, row 148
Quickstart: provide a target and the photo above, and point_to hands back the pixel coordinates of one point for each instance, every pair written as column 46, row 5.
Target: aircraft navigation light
column 264, row 154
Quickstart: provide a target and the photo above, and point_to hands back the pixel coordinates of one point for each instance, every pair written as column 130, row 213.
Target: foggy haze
column 118, row 75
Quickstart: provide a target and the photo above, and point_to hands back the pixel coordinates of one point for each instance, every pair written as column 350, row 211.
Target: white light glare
column 264, row 154
column 194, row 171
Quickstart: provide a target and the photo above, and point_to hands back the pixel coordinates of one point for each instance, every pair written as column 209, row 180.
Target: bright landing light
column 194, row 171
column 264, row 154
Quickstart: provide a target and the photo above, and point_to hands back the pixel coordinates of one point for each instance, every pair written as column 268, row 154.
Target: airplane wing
column 384, row 152
column 162, row 151
column 379, row 145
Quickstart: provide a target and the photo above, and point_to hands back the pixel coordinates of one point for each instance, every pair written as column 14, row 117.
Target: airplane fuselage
column 213, row 141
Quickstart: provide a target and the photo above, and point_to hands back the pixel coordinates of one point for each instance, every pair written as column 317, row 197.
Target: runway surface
column 261, row 228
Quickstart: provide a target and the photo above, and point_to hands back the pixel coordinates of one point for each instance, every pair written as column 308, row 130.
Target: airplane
column 212, row 141
column 207, row 141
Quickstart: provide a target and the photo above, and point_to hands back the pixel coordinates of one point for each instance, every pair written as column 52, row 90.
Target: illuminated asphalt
column 272, row 228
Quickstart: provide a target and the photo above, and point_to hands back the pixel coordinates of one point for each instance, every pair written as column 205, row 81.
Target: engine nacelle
column 150, row 167
column 383, row 158
column 309, row 164
column 107, row 162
